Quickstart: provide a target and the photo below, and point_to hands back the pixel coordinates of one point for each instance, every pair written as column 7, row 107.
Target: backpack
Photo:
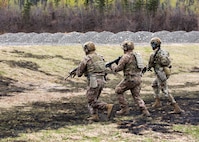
column 139, row 60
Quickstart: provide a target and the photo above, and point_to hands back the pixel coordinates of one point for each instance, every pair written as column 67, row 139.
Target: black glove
column 144, row 70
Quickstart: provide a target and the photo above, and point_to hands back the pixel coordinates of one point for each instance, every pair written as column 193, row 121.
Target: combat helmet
column 155, row 43
column 127, row 45
column 89, row 46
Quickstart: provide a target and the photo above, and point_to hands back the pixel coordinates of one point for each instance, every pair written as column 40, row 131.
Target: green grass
column 192, row 130
column 96, row 132
column 58, row 60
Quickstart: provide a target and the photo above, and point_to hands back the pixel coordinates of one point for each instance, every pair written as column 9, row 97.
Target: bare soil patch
column 37, row 106
column 46, row 102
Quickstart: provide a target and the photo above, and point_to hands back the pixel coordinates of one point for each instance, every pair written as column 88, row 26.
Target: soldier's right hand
column 73, row 75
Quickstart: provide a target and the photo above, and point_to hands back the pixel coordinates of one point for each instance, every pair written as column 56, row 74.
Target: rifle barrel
column 112, row 62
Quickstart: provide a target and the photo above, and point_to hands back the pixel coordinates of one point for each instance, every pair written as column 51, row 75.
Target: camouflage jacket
column 159, row 59
column 92, row 63
column 127, row 64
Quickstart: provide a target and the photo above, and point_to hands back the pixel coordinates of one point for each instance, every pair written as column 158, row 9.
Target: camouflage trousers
column 133, row 84
column 159, row 86
column 92, row 95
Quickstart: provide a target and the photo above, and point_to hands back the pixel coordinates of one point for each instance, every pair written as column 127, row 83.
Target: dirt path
column 37, row 90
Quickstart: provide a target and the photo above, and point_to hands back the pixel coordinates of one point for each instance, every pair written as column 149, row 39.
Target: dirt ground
column 43, row 99
column 48, row 103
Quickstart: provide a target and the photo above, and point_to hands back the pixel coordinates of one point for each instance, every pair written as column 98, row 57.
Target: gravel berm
column 104, row 37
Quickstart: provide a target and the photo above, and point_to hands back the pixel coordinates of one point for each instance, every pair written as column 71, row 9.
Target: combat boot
column 109, row 110
column 157, row 103
column 123, row 111
column 177, row 109
column 145, row 112
column 93, row 117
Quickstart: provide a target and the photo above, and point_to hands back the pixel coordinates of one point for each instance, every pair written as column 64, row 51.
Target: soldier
column 93, row 67
column 160, row 62
column 131, row 65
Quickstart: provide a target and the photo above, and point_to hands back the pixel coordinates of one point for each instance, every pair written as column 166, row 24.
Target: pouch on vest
column 167, row 71
column 93, row 81
column 161, row 75
column 139, row 60
column 165, row 61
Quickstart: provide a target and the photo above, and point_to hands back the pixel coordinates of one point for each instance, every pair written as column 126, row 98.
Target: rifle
column 72, row 73
column 146, row 69
column 116, row 61
column 154, row 58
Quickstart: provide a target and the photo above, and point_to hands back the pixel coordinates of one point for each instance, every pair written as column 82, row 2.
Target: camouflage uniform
column 160, row 62
column 132, row 81
column 93, row 67
column 160, row 83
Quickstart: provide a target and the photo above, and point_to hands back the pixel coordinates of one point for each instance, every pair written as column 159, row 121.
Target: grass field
column 37, row 105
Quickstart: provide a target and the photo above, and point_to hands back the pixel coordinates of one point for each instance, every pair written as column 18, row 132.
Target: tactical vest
column 161, row 62
column 132, row 66
column 96, row 64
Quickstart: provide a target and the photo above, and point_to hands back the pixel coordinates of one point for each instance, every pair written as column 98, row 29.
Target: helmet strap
column 156, row 49
column 85, row 48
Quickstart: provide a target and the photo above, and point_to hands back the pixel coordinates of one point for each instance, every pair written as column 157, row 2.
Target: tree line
column 98, row 15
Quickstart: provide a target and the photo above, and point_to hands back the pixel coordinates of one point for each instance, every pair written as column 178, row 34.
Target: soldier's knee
column 118, row 90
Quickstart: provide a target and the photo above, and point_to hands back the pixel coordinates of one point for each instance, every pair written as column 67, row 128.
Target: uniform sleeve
column 82, row 67
column 121, row 64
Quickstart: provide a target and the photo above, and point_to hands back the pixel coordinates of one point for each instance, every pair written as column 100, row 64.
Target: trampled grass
column 50, row 109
